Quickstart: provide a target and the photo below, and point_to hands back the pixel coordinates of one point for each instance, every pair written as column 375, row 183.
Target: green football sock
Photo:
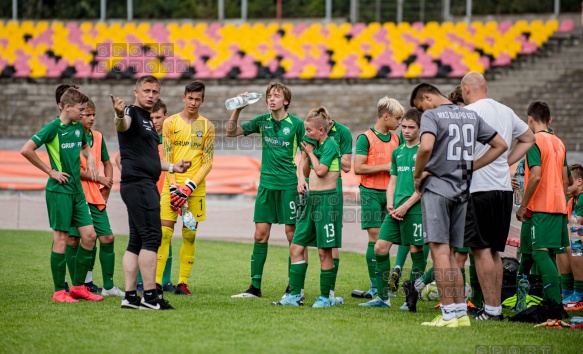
column 567, row 282
column 93, row 256
column 168, row 268
column 297, row 277
column 526, row 263
column 82, row 264
column 59, row 269
column 70, row 255
column 336, row 264
column 428, row 277
column 477, row 297
column 371, row 263
column 326, row 279
column 578, row 286
column 107, row 261
column 418, row 266
column 288, row 266
column 402, row 252
column 257, row 262
column 140, row 280
column 382, row 272
column 549, row 273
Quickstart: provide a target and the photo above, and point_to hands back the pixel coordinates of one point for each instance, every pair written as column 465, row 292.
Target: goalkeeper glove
column 179, row 194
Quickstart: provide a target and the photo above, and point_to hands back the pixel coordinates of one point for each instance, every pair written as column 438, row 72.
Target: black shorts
column 142, row 201
column 488, row 220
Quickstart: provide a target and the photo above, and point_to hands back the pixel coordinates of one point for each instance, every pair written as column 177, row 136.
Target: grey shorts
column 443, row 220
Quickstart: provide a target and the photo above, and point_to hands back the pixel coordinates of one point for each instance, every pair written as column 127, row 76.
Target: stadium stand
column 253, row 51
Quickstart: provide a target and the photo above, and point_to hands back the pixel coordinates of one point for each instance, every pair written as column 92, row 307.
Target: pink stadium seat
column 418, row 26
column 357, row 29
column 352, row 68
column 202, row 70
column 429, row 70
column 504, row 26
column 380, row 36
column 398, row 70
column 299, row 28
column 46, row 37
column 503, row 59
column 21, row 65
column 567, row 26
column 54, row 69
column 83, row 70
column 159, row 33
column 485, row 61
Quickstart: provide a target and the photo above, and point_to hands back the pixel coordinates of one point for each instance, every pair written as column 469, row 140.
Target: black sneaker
column 251, row 292
column 411, row 295
column 132, row 304
column 169, row 287
column 156, row 304
column 482, row 315
column 92, row 287
column 394, row 280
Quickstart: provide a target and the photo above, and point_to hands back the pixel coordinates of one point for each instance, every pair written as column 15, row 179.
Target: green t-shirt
column 403, row 166
column 362, row 146
column 341, row 134
column 279, row 141
column 578, row 205
column 64, row 142
column 328, row 153
column 104, row 153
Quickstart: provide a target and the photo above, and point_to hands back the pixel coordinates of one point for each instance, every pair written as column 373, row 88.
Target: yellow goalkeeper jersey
column 189, row 141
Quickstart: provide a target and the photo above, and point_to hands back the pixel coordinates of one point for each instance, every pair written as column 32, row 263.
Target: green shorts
column 462, row 249
column 373, row 208
column 100, row 222
column 321, row 225
column 525, row 241
column 67, row 210
column 275, row 206
column 407, row 232
column 549, row 231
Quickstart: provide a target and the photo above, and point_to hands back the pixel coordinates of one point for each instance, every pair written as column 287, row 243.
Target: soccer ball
column 430, row 292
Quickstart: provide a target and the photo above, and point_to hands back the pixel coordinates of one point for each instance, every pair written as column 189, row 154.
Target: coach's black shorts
column 143, row 204
column 488, row 220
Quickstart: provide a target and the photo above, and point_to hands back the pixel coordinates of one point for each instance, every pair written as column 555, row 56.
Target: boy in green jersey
column 372, row 162
column 403, row 223
column 277, row 194
column 320, row 223
column 66, row 203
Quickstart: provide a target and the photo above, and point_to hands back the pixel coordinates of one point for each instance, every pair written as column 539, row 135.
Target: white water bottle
column 187, row 218
column 519, row 175
column 241, row 101
column 574, row 238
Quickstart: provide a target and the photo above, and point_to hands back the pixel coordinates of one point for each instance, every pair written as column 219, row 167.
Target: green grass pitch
column 211, row 322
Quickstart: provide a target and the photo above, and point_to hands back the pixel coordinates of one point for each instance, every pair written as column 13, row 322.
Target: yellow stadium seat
column 413, row 71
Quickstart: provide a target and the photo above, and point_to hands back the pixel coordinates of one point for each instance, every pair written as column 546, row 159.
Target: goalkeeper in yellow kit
column 186, row 136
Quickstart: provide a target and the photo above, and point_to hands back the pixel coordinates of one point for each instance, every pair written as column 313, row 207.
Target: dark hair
column 456, row 95
column 147, row 79
column 194, row 86
column 420, row 90
column 160, row 105
column 576, row 170
column 73, row 96
column 284, row 89
column 539, row 111
column 413, row 114
column 61, row 90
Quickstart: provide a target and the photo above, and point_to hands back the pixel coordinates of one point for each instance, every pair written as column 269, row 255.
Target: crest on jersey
column 286, row 131
column 77, row 133
column 199, row 134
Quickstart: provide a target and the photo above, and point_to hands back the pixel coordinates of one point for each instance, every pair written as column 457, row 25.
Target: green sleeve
column 533, row 157
column 394, row 162
column 362, row 145
column 104, row 153
column 579, row 207
column 45, row 135
column 346, row 142
column 329, row 153
column 252, row 126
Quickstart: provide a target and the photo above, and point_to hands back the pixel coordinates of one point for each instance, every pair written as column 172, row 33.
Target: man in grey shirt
column 443, row 173
column 490, row 206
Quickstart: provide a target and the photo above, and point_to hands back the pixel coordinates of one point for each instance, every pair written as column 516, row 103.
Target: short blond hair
column 320, row 117
column 390, row 106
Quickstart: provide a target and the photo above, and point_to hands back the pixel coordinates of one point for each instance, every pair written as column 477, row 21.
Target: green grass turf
column 210, row 321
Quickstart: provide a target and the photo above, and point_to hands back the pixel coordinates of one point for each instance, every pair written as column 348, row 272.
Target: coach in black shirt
column 141, row 166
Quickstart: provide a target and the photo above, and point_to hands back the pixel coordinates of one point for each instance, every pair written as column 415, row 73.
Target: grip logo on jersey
column 71, row 145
